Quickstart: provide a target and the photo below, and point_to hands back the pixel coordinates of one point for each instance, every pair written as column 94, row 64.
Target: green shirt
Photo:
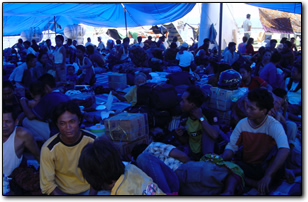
column 194, row 130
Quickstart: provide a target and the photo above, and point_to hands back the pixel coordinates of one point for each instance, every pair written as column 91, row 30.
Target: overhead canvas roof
column 18, row 17
column 295, row 8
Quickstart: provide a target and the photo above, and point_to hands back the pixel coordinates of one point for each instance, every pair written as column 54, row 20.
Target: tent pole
column 54, row 19
column 125, row 21
column 220, row 33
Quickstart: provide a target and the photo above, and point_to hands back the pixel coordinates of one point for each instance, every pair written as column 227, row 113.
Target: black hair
column 70, row 106
column 289, row 44
column 276, row 57
column 206, row 40
column 81, row 47
column 36, row 88
column 244, row 39
column 150, row 37
column 10, row 109
column 60, row 37
column 246, row 67
column 138, row 149
column 266, row 50
column 69, row 41
column 48, row 79
column 280, row 92
column 263, row 98
column 30, row 57
column 196, row 95
column 173, row 45
column 118, row 41
column 100, row 163
column 273, row 41
column 90, row 49
column 126, row 39
column 231, row 44
column 248, row 16
column 27, row 42
column 284, row 39
column 7, row 84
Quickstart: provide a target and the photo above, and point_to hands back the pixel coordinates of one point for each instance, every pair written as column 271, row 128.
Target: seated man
column 38, row 119
column 22, row 74
column 96, row 58
column 59, row 172
column 15, row 140
column 9, row 97
column 197, row 131
column 170, row 54
column 231, row 56
column 261, row 136
column 102, row 167
column 86, row 70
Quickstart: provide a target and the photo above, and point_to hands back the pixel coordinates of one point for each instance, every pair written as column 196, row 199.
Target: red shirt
column 256, row 82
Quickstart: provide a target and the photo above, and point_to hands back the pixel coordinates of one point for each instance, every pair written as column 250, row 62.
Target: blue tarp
column 295, row 8
column 18, row 17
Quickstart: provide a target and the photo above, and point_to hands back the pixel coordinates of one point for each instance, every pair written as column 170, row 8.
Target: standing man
column 101, row 45
column 59, row 172
column 247, row 26
column 60, row 59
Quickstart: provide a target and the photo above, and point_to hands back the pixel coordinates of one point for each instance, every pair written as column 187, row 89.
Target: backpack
column 164, row 97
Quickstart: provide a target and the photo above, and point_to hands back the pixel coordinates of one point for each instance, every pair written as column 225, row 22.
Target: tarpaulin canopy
column 279, row 21
column 18, row 17
column 295, row 8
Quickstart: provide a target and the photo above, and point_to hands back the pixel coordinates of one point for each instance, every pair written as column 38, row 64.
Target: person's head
column 33, row 42
column 184, row 46
column 101, row 164
column 59, row 40
column 175, row 39
column 292, row 40
column 192, row 98
column 140, row 79
column 70, row 70
column 7, row 91
column 74, row 42
column 173, row 45
column 267, row 54
column 283, row 39
column 36, row 88
column 110, row 43
column 27, row 44
column 31, row 60
column 276, row 57
column 80, row 51
column 244, row 39
column 273, row 43
column 248, row 16
column 150, row 38
column 212, row 67
column 259, row 103
column 261, row 50
column 206, row 42
column 68, row 118
column 88, row 39
column 48, row 42
column 118, row 42
column 99, row 39
column 9, row 120
column 296, row 72
column 42, row 57
column 126, row 42
column 20, row 41
column 282, row 93
column 49, row 82
column 250, row 41
column 90, row 49
column 287, row 45
column 245, row 72
column 231, row 46
column 139, row 39
column 69, row 42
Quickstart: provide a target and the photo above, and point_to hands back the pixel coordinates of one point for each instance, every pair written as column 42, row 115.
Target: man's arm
column 227, row 155
column 263, row 184
column 27, row 110
column 26, row 140
column 179, row 155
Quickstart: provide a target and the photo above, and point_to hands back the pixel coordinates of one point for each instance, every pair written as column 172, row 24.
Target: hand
column 197, row 112
column 263, row 185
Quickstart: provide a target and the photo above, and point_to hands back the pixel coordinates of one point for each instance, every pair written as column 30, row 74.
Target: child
column 71, row 77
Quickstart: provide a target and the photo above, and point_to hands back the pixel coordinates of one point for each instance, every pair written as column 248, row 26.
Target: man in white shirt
column 247, row 26
column 101, row 45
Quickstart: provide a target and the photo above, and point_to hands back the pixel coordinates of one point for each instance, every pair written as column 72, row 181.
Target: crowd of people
column 183, row 157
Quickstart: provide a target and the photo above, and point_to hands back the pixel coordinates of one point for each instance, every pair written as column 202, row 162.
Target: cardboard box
column 125, row 148
column 221, row 98
column 225, row 117
column 127, row 127
column 117, row 81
